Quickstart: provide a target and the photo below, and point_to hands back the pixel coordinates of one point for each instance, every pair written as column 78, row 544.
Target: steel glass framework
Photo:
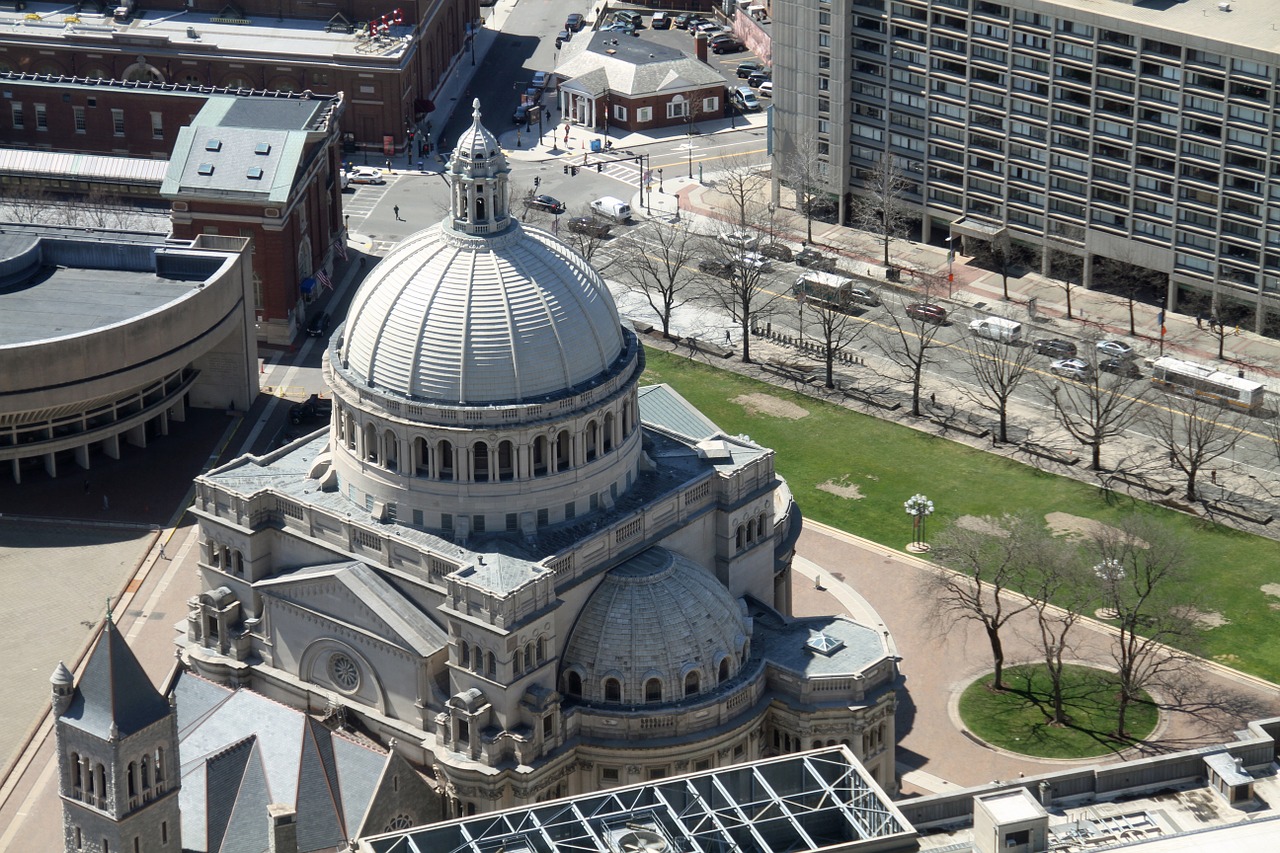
column 822, row 799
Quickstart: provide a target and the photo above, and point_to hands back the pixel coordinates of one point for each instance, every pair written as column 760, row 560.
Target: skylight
column 823, row 643
column 213, row 145
column 205, row 169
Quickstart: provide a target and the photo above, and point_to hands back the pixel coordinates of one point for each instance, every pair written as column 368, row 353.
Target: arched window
column 370, row 443
column 491, row 665
column 817, row 743
column 542, row 650
column 421, row 457
column 653, row 690
column 159, row 767
column 741, row 538
column 480, row 461
column 444, row 459
column 77, row 780
column 477, row 659
column 133, row 779
column 506, row 461
column 723, row 675
column 626, row 418
column 464, row 654
column 691, row 684
column 746, row 647
column 760, row 527
column 528, row 655
column 573, row 685
column 540, row 456
column 517, row 662
column 390, row 448
column 563, row 455
column 146, row 771
column 592, row 440
column 612, row 690
column 608, row 431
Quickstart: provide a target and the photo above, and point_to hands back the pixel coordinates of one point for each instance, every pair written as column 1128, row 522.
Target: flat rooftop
column 1250, row 23
column 197, row 33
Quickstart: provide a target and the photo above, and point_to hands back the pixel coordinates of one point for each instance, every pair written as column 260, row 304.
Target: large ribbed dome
column 658, row 615
column 480, row 309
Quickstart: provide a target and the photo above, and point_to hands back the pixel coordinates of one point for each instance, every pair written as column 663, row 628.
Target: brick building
column 388, row 70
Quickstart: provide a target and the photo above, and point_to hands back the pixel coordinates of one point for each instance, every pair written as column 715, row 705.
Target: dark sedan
column 927, row 312
column 1054, row 348
column 548, row 203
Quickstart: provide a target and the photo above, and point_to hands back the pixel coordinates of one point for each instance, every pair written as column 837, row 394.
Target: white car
column 766, row 89
column 741, row 239
column 1115, row 349
column 1072, row 368
column 366, row 175
column 753, row 261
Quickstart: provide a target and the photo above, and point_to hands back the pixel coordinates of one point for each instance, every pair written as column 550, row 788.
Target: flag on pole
column 323, row 277
column 340, row 245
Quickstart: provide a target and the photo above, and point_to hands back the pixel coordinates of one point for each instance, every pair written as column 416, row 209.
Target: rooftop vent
column 263, row 148
column 213, row 145
column 255, row 174
column 205, row 169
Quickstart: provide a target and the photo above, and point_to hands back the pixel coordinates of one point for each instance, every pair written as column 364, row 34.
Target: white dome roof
column 466, row 319
column 658, row 615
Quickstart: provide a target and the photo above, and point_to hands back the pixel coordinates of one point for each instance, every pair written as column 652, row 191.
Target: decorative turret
column 479, row 174
column 63, row 688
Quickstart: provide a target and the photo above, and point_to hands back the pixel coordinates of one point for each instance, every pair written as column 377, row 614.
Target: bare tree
column 999, row 368
column 1065, row 266
column 658, row 268
column 1129, row 280
column 1096, row 409
column 909, row 343
column 803, row 171
column 1142, row 574
column 836, row 331
column 1003, row 255
column 747, row 189
column 1193, row 432
column 882, row 209
column 988, row 560
column 1060, row 592
column 31, row 203
column 736, row 281
column 587, row 237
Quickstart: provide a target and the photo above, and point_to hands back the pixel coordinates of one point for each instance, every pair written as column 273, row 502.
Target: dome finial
column 475, row 111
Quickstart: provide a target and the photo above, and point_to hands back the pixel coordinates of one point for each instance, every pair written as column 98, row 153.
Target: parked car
column 366, row 175
column 548, row 203
column 313, row 408
column 1054, row 347
column 520, row 115
column 626, row 16
column 741, row 239
column 815, row 260
column 574, row 22
column 777, row 251
column 745, row 100
column 683, row 22
column 532, row 95
column 1120, row 367
column 721, row 269
column 766, row 89
column 562, row 37
column 319, row 324
column 660, row 21
column 539, row 81
column 1115, row 349
column 746, row 69
column 1072, row 368
column 927, row 312
column 590, row 226
column 730, row 45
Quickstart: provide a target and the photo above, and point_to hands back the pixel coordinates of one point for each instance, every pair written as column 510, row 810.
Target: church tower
column 117, row 753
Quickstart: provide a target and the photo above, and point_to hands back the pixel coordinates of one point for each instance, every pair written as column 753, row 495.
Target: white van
column 611, row 208
column 997, row 329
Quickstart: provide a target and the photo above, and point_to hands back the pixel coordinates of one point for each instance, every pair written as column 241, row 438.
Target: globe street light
column 919, row 508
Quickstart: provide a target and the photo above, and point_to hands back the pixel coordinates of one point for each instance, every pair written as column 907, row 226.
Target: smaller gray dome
column 657, row 616
column 61, row 675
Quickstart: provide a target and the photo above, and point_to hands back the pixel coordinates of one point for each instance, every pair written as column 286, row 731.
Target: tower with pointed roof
column 117, row 754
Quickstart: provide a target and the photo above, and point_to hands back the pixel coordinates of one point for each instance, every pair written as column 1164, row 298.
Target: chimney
column 700, row 46
column 283, row 832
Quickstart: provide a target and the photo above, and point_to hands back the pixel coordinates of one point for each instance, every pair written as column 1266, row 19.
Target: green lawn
column 1018, row 719
column 888, row 463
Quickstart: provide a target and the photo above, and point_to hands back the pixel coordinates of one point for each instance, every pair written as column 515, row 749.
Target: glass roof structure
column 816, row 800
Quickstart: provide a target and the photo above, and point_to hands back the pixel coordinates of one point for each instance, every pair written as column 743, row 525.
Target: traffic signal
column 537, row 181
column 566, row 169
column 573, row 170
column 599, row 167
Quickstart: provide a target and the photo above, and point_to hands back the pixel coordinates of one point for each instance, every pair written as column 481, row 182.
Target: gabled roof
column 627, row 65
column 241, row 751
column 366, row 586
column 115, row 697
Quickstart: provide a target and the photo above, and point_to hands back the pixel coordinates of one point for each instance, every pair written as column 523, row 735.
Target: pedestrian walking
column 163, row 556
column 396, row 208
column 728, row 338
column 1213, row 477
column 106, row 504
column 933, row 399
column 1200, row 320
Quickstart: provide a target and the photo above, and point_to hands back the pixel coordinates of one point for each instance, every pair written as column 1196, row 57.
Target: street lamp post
column 951, row 256
column 919, row 508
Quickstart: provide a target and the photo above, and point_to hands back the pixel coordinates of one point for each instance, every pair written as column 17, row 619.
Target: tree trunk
column 1068, row 289
column 1004, row 280
column 1132, row 330
column 831, row 371
column 1120, row 713
column 1095, row 463
column 1004, row 423
column 1191, row 485
column 886, row 253
column 997, row 658
column 746, row 338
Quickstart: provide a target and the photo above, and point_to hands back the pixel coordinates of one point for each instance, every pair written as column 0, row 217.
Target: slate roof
column 632, row 66
column 663, row 407
column 245, row 148
column 413, row 626
column 241, row 751
column 123, row 696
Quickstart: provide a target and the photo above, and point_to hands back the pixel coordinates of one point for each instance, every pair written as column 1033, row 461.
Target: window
column 612, row 690
column 619, row 112
column 117, row 122
column 42, row 117
column 710, row 105
column 653, row 690
column 678, row 108
column 644, row 114
column 78, row 114
column 691, row 684
column 18, row 119
column 513, row 522
column 570, row 510
column 157, row 126
column 609, row 774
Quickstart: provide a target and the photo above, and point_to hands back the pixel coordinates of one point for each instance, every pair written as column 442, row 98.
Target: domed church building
column 528, row 574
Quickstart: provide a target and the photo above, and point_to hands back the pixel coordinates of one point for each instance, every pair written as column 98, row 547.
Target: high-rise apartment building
column 1145, row 133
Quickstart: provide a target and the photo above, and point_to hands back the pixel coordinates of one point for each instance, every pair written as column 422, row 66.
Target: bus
column 833, row 291
column 1196, row 380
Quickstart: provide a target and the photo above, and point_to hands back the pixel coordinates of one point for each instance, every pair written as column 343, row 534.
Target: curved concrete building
column 534, row 575
column 109, row 337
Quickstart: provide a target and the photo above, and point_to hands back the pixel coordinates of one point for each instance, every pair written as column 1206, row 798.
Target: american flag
column 323, row 277
column 340, row 245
